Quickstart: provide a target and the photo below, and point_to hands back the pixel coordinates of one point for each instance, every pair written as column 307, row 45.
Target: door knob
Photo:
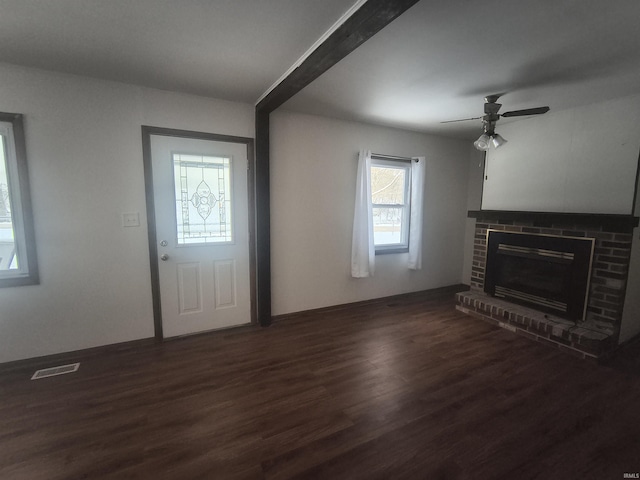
column 164, row 257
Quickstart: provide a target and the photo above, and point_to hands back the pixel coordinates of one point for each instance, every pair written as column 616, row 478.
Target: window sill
column 387, row 251
column 19, row 281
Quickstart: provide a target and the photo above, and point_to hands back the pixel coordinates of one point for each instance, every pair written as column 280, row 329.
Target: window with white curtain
column 387, row 214
column 391, row 204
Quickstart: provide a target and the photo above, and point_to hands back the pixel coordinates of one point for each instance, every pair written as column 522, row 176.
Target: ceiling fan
column 491, row 116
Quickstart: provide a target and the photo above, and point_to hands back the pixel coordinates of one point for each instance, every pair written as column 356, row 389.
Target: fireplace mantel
column 608, row 222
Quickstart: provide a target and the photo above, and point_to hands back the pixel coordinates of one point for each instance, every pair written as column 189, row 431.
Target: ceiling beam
column 365, row 22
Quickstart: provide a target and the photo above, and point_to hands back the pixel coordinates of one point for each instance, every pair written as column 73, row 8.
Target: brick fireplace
column 594, row 335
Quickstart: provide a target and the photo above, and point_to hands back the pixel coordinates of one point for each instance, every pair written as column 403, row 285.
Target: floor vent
column 53, row 371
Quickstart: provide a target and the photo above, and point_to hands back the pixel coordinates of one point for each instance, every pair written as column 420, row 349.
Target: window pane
column 203, row 198
column 387, row 225
column 8, row 259
column 388, row 185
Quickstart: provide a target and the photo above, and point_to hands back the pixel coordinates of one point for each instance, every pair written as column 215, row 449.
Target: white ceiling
column 440, row 58
column 228, row 49
column 434, row 63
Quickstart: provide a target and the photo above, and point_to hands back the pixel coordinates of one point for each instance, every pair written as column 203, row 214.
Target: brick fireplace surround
column 597, row 336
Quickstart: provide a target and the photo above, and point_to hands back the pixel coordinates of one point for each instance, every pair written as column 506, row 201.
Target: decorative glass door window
column 203, row 199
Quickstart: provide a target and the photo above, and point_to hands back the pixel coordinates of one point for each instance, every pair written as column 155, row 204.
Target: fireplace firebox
column 547, row 272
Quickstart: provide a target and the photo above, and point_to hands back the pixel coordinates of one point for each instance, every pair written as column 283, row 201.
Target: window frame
column 403, row 164
column 20, row 200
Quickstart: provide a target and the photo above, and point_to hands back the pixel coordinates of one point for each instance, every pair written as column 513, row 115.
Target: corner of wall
column 630, row 326
column 474, row 202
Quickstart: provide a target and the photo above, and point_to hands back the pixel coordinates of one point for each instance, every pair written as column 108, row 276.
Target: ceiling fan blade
column 527, row 111
column 462, row 120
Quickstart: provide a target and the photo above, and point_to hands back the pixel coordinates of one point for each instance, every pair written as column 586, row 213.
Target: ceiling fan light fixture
column 497, row 140
column 482, row 143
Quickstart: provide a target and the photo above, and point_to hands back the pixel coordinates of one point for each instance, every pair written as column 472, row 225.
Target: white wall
column 313, row 175
column 581, row 160
column 85, row 165
column 474, row 201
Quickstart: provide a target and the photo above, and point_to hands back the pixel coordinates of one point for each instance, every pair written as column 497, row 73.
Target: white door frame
column 147, row 132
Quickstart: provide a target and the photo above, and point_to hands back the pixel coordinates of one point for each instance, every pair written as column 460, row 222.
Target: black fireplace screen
column 550, row 273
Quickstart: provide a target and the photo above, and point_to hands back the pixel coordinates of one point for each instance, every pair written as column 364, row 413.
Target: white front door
column 202, row 233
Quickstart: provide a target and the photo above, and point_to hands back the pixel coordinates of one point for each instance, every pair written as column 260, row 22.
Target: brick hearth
column 584, row 339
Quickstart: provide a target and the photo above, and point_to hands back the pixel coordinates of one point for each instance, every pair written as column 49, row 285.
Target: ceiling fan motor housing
column 489, row 123
column 491, row 115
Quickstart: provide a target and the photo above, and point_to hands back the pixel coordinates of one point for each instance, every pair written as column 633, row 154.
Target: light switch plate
column 131, row 219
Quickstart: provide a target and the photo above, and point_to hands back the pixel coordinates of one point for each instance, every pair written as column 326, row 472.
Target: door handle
column 164, row 257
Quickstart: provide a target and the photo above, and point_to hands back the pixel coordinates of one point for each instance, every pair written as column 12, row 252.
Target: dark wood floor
column 406, row 388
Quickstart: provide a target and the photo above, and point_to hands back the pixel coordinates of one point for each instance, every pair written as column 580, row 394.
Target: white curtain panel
column 415, row 225
column 363, row 252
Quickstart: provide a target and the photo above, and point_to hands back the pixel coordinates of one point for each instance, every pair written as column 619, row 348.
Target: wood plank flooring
column 405, row 388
